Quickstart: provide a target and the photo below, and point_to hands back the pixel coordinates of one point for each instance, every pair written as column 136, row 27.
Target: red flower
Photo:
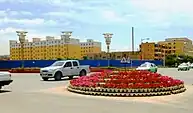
column 129, row 79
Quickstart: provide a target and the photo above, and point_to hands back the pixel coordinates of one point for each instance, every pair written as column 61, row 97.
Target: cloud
column 16, row 13
column 167, row 6
column 28, row 22
column 2, row 13
column 9, row 30
column 151, row 18
column 164, row 12
column 110, row 15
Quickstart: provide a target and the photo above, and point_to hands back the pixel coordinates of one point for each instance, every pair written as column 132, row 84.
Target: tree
column 172, row 60
column 85, row 58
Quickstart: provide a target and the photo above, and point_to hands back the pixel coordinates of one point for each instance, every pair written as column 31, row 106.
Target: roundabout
column 126, row 84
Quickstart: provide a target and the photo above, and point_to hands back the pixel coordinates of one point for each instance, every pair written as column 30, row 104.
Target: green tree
column 172, row 60
column 85, row 58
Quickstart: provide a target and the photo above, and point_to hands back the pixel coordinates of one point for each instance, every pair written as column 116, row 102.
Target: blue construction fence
column 93, row 63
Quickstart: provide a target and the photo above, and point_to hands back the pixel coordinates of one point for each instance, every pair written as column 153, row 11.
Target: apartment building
column 178, row 46
column 155, row 51
column 53, row 48
column 90, row 47
column 182, row 46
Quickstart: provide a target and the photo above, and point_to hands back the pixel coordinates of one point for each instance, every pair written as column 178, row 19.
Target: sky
column 153, row 19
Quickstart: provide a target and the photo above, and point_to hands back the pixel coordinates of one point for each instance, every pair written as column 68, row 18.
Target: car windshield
column 143, row 65
column 58, row 64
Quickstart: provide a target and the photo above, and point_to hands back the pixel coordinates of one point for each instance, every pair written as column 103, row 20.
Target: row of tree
column 174, row 60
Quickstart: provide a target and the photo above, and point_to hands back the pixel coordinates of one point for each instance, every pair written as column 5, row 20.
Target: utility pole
column 132, row 33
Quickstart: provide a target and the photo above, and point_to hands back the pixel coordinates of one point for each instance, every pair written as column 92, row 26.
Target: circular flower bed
column 130, row 83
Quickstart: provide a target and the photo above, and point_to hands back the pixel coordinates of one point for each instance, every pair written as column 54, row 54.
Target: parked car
column 65, row 68
column 5, row 79
column 183, row 67
column 148, row 66
column 191, row 65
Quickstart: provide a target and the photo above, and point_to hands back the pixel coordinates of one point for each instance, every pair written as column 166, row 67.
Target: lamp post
column 108, row 37
column 67, row 35
column 22, row 35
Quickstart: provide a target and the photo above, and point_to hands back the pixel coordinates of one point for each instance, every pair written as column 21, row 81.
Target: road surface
column 29, row 94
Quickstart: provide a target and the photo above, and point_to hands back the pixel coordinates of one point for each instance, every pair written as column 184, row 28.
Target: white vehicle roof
column 183, row 64
column 62, row 62
column 66, row 60
column 147, row 64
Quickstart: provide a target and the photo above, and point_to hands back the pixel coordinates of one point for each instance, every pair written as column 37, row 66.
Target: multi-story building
column 52, row 48
column 114, row 55
column 178, row 46
column 155, row 51
column 90, row 47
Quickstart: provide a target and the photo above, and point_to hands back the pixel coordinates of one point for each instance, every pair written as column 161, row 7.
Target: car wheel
column 45, row 79
column 58, row 76
column 82, row 73
column 70, row 77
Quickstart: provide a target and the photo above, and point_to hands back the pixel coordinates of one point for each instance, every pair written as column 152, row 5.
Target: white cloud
column 28, row 22
column 8, row 12
column 9, row 30
column 111, row 15
column 16, row 13
column 2, row 13
column 64, row 14
column 22, row 21
column 26, row 13
column 166, row 6
column 13, row 13
column 164, row 13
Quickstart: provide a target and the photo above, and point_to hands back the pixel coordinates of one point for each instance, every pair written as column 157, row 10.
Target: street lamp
column 108, row 37
column 22, row 35
column 67, row 35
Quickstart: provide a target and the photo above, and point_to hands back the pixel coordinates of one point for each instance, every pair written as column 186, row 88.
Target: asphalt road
column 25, row 95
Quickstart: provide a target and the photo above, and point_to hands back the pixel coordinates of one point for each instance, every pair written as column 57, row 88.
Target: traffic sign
column 124, row 60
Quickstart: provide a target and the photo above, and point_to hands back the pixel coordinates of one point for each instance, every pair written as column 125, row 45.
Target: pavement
column 29, row 94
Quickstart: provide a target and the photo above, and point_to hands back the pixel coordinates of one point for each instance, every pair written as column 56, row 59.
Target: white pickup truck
column 5, row 79
column 64, row 68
